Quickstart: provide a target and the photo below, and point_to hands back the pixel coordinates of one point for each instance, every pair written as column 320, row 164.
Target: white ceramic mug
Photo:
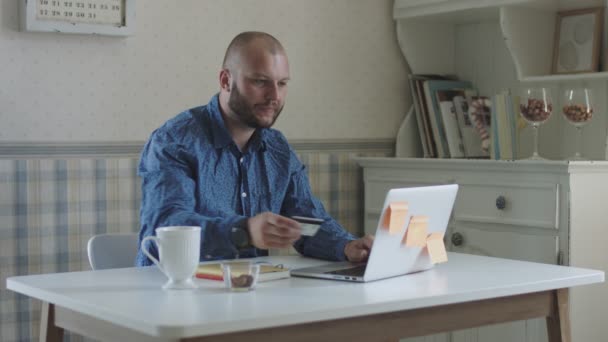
column 178, row 251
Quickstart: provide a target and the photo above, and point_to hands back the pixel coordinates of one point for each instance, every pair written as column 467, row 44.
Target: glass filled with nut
column 240, row 276
column 578, row 110
column 536, row 107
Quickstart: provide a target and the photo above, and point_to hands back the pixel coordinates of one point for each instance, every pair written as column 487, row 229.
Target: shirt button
column 241, row 160
column 244, row 194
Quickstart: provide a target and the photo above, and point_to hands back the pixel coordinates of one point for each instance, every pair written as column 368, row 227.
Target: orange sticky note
column 436, row 248
column 415, row 236
column 394, row 218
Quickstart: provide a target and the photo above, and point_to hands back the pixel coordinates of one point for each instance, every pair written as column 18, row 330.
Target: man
column 222, row 167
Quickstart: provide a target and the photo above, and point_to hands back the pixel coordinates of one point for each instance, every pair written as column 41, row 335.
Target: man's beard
column 241, row 108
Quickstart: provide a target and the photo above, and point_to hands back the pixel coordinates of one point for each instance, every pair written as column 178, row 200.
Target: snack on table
column 240, row 276
column 243, row 280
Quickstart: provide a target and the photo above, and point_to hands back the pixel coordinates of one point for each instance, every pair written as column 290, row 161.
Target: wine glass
column 578, row 110
column 536, row 107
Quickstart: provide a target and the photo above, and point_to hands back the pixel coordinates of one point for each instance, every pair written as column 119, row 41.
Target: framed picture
column 104, row 17
column 576, row 47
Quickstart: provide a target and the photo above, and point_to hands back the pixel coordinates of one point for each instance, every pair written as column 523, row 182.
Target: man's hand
column 358, row 250
column 269, row 230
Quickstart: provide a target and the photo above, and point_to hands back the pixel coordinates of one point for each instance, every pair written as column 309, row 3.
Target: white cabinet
column 499, row 45
column 544, row 211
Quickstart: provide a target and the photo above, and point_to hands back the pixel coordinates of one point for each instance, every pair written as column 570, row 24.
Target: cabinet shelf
column 588, row 76
column 527, row 27
column 460, row 11
column 500, row 45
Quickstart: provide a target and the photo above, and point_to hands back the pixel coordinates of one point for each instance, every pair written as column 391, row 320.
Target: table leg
column 49, row 332
column 558, row 324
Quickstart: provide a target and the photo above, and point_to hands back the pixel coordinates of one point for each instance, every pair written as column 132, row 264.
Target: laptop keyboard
column 357, row 271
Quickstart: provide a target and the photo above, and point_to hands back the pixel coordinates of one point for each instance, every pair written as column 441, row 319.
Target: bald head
column 243, row 44
column 253, row 83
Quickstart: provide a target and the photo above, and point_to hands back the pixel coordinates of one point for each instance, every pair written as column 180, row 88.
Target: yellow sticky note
column 415, row 236
column 394, row 218
column 436, row 248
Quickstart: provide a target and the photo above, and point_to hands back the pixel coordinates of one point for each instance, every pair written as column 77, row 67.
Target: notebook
column 213, row 271
column 424, row 211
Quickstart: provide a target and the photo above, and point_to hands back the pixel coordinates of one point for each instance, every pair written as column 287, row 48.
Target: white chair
column 112, row 250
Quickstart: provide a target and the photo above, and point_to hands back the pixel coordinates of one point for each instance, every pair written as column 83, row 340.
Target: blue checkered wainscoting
column 49, row 208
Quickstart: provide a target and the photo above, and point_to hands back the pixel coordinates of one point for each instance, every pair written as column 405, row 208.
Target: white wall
column 348, row 76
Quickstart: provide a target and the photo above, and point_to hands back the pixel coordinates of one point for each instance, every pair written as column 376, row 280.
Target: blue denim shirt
column 193, row 174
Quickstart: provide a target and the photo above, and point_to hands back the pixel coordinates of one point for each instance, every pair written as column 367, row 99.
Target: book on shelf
column 450, row 121
column 425, row 130
column 479, row 113
column 472, row 126
column 505, row 130
column 213, row 271
column 431, row 87
column 495, row 137
column 515, row 122
column 420, row 120
column 471, row 139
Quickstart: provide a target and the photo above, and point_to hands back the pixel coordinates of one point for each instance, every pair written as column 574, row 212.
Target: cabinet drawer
column 532, row 205
column 375, row 192
column 505, row 244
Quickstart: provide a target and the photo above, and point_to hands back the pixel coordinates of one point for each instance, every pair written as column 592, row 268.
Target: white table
column 468, row 291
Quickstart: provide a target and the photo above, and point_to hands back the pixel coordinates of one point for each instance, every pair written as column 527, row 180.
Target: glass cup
column 578, row 111
column 536, row 107
column 240, row 276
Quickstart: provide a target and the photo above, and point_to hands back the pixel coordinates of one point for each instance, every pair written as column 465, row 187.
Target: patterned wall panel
column 49, row 208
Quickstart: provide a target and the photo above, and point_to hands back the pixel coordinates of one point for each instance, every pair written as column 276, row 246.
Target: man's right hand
column 269, row 230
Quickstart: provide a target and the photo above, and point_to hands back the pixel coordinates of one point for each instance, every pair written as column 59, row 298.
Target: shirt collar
column 257, row 142
column 221, row 136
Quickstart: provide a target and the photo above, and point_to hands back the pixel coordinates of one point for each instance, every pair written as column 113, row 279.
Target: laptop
column 389, row 257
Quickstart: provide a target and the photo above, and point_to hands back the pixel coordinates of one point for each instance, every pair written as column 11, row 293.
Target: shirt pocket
column 217, row 199
column 262, row 200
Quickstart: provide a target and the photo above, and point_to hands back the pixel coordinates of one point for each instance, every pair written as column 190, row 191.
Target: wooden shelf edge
column 603, row 75
column 402, row 9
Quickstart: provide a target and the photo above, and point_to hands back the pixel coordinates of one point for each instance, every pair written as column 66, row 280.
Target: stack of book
column 505, row 113
column 474, row 122
column 213, row 271
column 454, row 122
column 436, row 115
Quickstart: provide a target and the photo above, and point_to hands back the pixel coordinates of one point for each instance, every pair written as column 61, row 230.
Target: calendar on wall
column 105, row 17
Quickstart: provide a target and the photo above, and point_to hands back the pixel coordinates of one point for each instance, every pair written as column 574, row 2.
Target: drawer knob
column 501, row 202
column 457, row 239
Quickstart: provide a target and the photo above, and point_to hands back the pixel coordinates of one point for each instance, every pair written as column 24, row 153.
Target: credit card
column 309, row 225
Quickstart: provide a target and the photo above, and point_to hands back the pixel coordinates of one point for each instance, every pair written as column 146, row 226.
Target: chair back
column 112, row 251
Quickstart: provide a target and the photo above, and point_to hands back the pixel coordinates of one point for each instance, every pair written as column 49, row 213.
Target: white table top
column 133, row 298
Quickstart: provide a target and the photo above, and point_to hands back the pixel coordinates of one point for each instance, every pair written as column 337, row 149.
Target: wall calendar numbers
column 106, row 17
column 84, row 11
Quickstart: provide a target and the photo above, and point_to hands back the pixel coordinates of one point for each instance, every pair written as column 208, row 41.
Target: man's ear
column 225, row 80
